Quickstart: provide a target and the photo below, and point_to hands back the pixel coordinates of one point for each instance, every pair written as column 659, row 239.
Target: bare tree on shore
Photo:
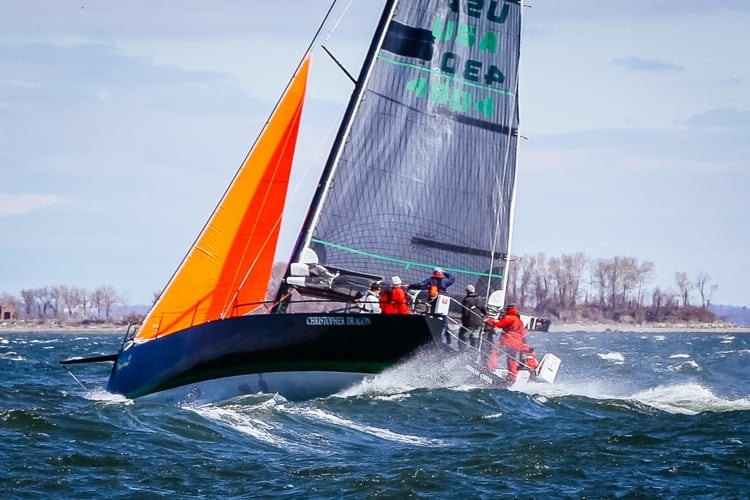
column 560, row 287
column 103, row 298
column 68, row 302
column 683, row 285
column 705, row 289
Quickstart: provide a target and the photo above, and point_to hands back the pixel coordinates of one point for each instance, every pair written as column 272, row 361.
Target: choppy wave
column 250, row 419
column 12, row 356
column 689, row 366
column 616, row 357
column 641, row 416
column 689, row 399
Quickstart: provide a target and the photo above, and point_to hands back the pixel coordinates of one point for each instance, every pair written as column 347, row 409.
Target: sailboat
column 422, row 173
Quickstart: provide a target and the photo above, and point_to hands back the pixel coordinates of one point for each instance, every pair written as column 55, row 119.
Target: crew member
column 529, row 361
column 512, row 338
column 394, row 301
column 370, row 302
column 436, row 284
column 472, row 318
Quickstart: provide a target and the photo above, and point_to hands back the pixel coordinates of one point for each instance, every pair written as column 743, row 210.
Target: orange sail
column 228, row 268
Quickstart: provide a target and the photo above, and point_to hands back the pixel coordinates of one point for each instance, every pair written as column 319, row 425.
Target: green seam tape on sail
column 440, row 74
column 406, row 263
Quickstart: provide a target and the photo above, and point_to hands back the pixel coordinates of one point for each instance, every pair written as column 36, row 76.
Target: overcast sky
column 121, row 124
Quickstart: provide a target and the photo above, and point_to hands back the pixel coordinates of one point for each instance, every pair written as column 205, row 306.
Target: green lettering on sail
column 418, row 86
column 486, row 106
column 458, row 99
column 439, row 92
column 490, row 42
column 464, row 35
column 457, row 74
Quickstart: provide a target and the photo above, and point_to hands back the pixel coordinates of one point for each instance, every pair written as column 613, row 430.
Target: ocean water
column 630, row 416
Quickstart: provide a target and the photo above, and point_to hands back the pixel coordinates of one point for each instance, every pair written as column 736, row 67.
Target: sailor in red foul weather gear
column 528, row 358
column 529, row 361
column 394, row 301
column 512, row 339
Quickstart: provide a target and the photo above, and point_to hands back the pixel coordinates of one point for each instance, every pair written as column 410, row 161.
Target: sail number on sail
column 468, row 73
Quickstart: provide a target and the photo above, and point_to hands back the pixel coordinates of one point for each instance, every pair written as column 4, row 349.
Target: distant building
column 8, row 312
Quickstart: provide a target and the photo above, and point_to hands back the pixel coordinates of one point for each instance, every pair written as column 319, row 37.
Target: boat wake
column 379, row 432
column 267, row 421
column 102, row 395
column 424, row 371
column 250, row 417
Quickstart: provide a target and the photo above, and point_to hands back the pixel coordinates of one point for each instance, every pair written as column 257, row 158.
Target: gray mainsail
column 426, row 169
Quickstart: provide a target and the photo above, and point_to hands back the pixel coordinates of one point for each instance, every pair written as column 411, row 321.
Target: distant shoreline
column 556, row 327
column 58, row 328
column 647, row 328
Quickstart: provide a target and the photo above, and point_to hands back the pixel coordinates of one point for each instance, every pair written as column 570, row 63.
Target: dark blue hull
column 300, row 356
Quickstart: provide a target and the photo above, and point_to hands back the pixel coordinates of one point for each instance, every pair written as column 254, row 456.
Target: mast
column 512, row 208
column 313, row 213
column 511, row 217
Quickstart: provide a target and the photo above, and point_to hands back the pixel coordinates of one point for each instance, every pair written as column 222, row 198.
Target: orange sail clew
column 227, row 270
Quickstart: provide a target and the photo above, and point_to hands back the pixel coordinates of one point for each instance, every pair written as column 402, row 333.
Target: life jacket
column 399, row 301
column 513, row 331
column 392, row 302
column 386, row 302
column 435, row 285
column 513, row 337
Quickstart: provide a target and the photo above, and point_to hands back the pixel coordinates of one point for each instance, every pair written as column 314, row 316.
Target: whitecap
column 102, row 395
column 675, row 356
column 685, row 367
column 392, row 397
column 688, row 399
column 617, row 357
column 12, row 356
